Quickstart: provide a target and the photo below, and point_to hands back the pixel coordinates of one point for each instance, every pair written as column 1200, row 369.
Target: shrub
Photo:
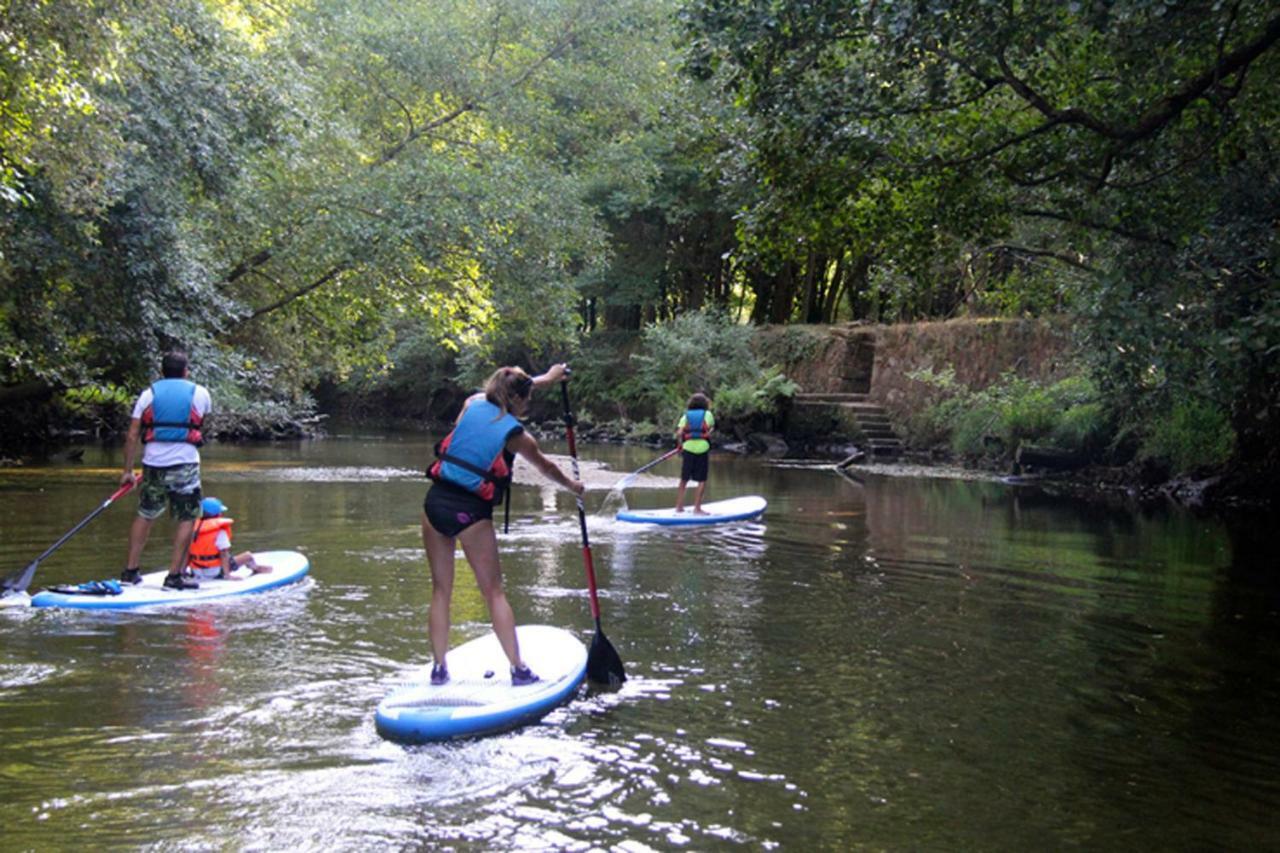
column 995, row 420
column 1081, row 428
column 1192, row 434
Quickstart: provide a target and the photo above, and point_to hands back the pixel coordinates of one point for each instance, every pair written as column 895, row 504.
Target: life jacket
column 474, row 454
column 204, row 550
column 172, row 415
column 695, row 425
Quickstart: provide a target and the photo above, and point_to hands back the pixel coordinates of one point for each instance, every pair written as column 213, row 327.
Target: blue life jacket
column 474, row 455
column 172, row 415
column 695, row 424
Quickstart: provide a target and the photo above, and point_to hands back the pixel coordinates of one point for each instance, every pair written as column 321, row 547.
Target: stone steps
column 872, row 419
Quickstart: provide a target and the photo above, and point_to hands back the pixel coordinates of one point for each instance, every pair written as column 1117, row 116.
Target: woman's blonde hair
column 509, row 389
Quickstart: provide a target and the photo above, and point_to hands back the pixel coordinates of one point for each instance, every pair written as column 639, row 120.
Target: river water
column 901, row 664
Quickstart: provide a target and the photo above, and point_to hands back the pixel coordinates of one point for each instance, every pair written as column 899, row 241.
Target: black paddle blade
column 603, row 664
column 20, row 581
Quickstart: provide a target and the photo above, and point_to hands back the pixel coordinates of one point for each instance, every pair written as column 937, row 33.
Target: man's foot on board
column 522, row 675
column 439, row 674
column 131, row 576
column 679, row 509
column 700, row 512
column 179, row 582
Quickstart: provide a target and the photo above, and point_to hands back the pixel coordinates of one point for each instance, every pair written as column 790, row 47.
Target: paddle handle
column 663, row 458
column 19, row 581
column 88, row 518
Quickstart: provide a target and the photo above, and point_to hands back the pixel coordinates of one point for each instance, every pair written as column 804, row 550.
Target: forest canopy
column 316, row 193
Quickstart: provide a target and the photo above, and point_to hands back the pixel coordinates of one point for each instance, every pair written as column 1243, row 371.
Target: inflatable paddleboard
column 717, row 512
column 479, row 698
column 286, row 567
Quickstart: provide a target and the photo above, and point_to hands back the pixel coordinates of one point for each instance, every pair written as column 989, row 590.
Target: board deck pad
column 479, row 698
column 717, row 512
column 287, row 567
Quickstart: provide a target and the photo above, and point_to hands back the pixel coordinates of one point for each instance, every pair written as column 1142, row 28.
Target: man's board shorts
column 177, row 485
column 452, row 509
column 693, row 466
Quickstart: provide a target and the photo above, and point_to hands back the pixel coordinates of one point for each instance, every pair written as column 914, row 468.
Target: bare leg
column 480, row 544
column 680, row 496
column 181, row 545
column 697, row 497
column 439, row 550
column 138, row 533
column 246, row 558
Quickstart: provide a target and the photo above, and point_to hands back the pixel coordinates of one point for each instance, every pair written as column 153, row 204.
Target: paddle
column 603, row 664
column 19, row 581
column 626, row 481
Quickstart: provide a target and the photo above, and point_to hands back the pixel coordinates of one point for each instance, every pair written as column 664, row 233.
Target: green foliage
column 1088, row 158
column 1081, row 428
column 995, row 420
column 1193, row 434
column 762, row 397
column 703, row 352
column 649, row 377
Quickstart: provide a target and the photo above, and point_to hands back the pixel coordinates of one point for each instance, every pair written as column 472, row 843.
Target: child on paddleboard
column 692, row 434
column 210, row 554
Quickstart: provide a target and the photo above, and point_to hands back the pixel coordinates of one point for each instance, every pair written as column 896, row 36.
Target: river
column 888, row 664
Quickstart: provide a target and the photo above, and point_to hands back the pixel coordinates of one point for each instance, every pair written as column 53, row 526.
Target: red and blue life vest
column 695, row 425
column 474, row 455
column 172, row 415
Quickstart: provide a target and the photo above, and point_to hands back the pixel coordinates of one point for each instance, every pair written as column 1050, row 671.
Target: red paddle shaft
column 582, row 512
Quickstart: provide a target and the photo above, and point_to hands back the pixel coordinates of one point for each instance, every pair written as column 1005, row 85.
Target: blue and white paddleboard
column 286, row 567
column 479, row 698
column 717, row 512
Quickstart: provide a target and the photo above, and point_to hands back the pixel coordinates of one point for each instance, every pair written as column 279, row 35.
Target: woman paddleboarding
column 471, row 475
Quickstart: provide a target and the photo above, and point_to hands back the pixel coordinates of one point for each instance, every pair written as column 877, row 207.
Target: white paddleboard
column 717, row 512
column 479, row 698
column 286, row 567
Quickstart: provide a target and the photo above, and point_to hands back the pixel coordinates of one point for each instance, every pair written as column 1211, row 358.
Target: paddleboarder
column 166, row 421
column 470, row 476
column 692, row 432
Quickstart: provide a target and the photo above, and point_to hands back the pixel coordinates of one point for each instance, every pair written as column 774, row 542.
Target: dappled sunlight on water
column 876, row 662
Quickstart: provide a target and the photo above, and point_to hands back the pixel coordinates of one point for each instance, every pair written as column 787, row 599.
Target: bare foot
column 698, row 511
column 260, row 569
column 679, row 509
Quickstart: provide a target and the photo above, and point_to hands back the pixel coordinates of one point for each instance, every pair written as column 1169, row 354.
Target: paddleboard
column 479, row 698
column 717, row 512
column 286, row 567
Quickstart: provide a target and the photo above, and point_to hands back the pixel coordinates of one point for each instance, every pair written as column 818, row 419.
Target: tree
column 1109, row 138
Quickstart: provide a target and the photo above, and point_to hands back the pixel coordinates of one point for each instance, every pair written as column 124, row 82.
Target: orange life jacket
column 204, row 551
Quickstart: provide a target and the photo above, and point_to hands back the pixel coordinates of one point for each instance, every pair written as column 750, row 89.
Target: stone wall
column 980, row 352
column 820, row 359
column 876, row 360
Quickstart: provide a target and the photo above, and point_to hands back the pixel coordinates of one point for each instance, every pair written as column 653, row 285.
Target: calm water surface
column 892, row 664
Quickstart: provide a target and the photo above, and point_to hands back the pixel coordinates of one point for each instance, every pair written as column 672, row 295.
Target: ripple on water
column 340, row 474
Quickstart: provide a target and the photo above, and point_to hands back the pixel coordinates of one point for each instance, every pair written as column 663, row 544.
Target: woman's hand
column 555, row 373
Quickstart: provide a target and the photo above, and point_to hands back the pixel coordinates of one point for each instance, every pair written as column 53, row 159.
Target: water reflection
column 889, row 663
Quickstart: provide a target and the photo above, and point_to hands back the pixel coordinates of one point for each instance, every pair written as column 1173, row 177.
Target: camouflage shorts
column 178, row 485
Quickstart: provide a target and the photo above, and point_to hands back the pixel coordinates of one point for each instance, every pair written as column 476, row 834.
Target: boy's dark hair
column 698, row 401
column 174, row 364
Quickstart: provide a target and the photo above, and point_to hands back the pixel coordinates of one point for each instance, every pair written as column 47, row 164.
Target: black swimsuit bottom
column 452, row 509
